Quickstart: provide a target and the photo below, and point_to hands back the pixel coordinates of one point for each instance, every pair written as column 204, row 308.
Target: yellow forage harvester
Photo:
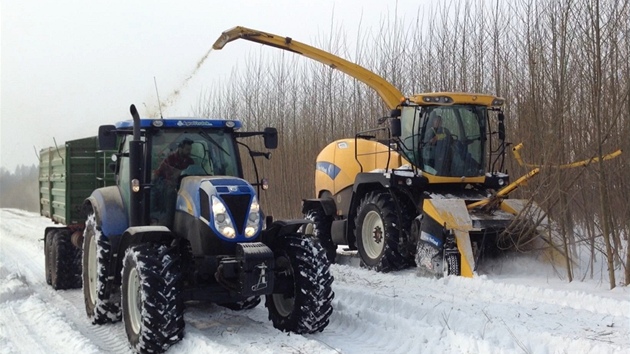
column 431, row 193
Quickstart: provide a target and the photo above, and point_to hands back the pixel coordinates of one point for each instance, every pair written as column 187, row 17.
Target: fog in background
column 69, row 66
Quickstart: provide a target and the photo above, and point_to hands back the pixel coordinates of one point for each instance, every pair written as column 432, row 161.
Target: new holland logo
column 190, row 123
column 262, row 277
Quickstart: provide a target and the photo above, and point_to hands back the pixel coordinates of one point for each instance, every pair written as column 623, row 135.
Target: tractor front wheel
column 302, row 300
column 153, row 312
column 322, row 224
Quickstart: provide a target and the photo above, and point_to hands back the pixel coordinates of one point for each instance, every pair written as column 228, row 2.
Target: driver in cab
column 173, row 165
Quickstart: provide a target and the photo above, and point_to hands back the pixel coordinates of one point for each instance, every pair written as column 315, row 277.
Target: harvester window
column 445, row 140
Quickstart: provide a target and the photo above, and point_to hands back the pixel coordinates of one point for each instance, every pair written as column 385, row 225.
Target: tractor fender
column 110, row 211
column 133, row 236
column 326, row 204
column 281, row 228
column 141, row 234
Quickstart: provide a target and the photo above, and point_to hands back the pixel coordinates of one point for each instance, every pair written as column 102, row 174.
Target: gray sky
column 69, row 66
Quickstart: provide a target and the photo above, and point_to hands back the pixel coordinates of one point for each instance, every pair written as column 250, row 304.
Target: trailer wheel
column 301, row 302
column 153, row 312
column 246, row 304
column 101, row 305
column 376, row 233
column 62, row 262
column 47, row 258
column 321, row 230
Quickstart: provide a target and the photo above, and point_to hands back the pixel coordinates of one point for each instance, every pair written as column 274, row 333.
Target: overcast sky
column 69, row 66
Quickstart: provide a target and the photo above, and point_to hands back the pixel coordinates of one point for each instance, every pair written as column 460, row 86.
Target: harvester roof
column 449, row 98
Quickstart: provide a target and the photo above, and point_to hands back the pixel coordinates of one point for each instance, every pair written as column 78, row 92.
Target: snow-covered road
column 519, row 306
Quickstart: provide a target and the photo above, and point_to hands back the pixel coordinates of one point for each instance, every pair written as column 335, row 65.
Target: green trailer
column 67, row 176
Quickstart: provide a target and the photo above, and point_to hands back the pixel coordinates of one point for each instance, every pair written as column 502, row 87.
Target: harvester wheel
column 303, row 274
column 62, row 262
column 99, row 306
column 153, row 311
column 322, row 224
column 376, row 233
column 451, row 265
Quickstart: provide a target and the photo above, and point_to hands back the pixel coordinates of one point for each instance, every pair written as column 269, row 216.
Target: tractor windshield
column 201, row 152
column 445, row 140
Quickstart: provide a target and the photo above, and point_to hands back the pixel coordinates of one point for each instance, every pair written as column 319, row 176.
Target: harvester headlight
column 253, row 219
column 409, row 181
column 222, row 220
column 501, row 181
column 497, row 102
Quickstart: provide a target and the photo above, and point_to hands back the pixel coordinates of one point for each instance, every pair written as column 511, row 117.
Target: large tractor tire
column 64, row 273
column 302, row 272
column 153, row 311
column 246, row 304
column 101, row 305
column 321, row 229
column 376, row 233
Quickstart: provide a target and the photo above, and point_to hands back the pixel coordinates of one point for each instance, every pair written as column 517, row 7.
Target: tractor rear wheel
column 322, row 224
column 62, row 262
column 302, row 272
column 153, row 312
column 100, row 306
column 376, row 233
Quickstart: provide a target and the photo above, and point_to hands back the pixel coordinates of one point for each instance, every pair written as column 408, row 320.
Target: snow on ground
column 518, row 306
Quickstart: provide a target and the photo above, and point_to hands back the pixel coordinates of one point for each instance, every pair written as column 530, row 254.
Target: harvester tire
column 303, row 271
column 153, row 311
column 376, row 233
column 246, row 304
column 322, row 224
column 100, row 306
column 62, row 262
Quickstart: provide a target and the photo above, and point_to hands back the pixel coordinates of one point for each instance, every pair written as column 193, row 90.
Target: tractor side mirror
column 501, row 126
column 270, row 136
column 107, row 137
column 394, row 127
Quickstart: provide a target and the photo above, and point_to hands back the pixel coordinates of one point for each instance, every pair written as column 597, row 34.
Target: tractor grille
column 239, row 207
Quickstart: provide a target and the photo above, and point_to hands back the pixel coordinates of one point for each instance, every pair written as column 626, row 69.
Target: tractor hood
column 228, row 205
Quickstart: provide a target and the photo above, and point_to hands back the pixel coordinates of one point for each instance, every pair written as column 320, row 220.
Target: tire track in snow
column 23, row 254
column 451, row 315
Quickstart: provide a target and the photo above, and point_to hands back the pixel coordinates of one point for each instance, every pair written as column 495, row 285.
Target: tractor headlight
column 253, row 219
column 222, row 220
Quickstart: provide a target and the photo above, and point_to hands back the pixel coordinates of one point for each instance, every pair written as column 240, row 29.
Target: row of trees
column 19, row 189
column 563, row 66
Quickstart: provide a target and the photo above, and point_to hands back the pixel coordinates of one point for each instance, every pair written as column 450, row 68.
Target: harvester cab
column 432, row 194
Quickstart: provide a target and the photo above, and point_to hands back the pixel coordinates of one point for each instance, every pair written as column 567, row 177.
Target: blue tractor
column 181, row 224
